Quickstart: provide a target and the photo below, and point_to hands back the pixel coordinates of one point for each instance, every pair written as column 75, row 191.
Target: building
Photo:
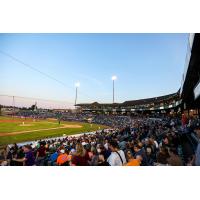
column 166, row 103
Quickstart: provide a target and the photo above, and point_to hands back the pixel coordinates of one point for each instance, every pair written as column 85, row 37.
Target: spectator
column 174, row 159
column 80, row 158
column 3, row 161
column 149, row 155
column 62, row 159
column 117, row 157
column 19, row 155
column 162, row 157
column 29, row 159
column 131, row 161
column 53, row 158
column 40, row 155
column 94, row 157
column 140, row 151
column 102, row 161
column 102, row 150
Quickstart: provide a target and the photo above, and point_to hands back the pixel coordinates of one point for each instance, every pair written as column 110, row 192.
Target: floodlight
column 114, row 78
column 77, row 84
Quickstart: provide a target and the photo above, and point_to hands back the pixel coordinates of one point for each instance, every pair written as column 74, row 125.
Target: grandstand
column 166, row 103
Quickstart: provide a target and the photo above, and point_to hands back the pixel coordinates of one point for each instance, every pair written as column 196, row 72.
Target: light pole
column 113, row 79
column 77, row 85
column 13, row 106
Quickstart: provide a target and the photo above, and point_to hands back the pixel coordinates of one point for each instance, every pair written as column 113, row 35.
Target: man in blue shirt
column 53, row 158
column 29, row 159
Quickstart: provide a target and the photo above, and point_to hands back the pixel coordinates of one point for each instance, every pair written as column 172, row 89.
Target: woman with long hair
column 80, row 158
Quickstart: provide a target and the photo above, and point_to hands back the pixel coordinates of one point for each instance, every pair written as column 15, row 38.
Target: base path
column 46, row 129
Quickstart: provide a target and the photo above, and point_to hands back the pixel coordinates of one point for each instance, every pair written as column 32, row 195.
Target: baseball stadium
column 159, row 130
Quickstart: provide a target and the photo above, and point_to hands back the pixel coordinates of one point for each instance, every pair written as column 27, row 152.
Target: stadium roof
column 151, row 100
column 136, row 102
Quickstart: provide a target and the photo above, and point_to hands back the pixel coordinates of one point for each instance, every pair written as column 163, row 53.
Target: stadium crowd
column 131, row 142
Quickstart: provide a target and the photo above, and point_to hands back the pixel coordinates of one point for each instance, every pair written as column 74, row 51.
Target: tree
column 33, row 107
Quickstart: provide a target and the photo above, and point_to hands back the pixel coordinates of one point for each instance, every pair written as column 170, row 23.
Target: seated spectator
column 140, row 151
column 131, row 161
column 102, row 161
column 40, row 155
column 149, row 155
column 10, row 153
column 71, row 153
column 29, row 159
column 94, row 159
column 174, row 159
column 117, row 157
column 19, row 155
column 102, row 150
column 162, row 157
column 80, row 158
column 122, row 144
column 3, row 161
column 53, row 158
column 62, row 159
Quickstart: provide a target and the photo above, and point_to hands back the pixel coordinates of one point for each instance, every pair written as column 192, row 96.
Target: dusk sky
column 147, row 65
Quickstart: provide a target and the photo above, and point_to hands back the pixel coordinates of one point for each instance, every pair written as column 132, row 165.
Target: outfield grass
column 18, row 126
column 7, row 127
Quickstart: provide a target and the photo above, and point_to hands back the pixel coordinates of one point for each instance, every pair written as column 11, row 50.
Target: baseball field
column 15, row 130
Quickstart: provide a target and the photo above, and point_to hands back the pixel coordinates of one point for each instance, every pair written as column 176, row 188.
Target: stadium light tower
column 113, row 79
column 77, row 85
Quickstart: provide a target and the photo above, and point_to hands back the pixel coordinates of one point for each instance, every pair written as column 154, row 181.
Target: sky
column 146, row 65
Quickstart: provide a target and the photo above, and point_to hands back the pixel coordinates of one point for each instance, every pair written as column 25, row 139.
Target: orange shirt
column 62, row 159
column 133, row 162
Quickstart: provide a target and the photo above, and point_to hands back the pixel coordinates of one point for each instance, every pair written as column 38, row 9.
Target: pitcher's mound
column 72, row 126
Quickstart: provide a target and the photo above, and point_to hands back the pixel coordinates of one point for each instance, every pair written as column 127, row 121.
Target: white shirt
column 106, row 146
column 114, row 159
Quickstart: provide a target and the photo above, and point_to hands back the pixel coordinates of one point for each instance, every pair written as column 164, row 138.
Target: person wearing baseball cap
column 62, row 158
